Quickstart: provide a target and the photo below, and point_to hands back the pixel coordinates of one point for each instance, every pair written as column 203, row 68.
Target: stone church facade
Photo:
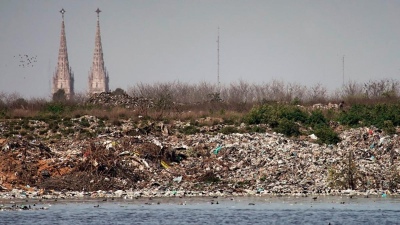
column 64, row 78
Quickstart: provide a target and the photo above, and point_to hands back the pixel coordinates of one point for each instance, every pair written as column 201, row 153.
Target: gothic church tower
column 63, row 77
column 98, row 75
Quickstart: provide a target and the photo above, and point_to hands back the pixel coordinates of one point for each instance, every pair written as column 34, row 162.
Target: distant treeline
column 244, row 92
column 384, row 90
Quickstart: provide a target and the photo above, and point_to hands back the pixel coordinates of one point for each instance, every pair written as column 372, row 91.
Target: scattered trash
column 313, row 136
column 109, row 144
column 109, row 99
column 178, row 179
column 144, row 163
column 382, row 140
column 164, row 164
column 217, row 149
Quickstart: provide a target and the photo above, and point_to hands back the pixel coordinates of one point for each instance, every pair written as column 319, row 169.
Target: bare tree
column 317, row 93
column 381, row 88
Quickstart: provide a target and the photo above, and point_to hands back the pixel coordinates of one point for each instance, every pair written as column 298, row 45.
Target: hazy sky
column 175, row 40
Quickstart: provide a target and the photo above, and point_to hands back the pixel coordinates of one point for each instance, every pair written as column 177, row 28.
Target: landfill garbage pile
column 154, row 159
column 109, row 99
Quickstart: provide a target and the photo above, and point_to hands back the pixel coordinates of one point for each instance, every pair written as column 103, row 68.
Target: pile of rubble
column 156, row 160
column 109, row 99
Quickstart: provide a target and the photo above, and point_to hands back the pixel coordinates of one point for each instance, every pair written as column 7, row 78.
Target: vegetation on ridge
column 285, row 108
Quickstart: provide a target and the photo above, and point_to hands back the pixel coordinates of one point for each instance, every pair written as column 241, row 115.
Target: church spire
column 98, row 75
column 63, row 78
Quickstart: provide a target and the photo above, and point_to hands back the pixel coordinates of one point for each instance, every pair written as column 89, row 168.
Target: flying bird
column 26, row 60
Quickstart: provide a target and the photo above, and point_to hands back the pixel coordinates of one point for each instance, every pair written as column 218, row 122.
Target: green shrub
column 84, row 123
column 105, row 117
column 390, row 112
column 116, row 122
column 67, row 131
column 209, row 177
column 296, row 101
column 228, row 130
column 288, row 127
column 215, row 122
column 101, row 124
column 243, row 184
column 388, row 127
column 326, row 135
column 368, row 115
column 3, row 113
column 41, row 132
column 53, row 125
column 53, row 117
column 257, row 129
column 189, row 130
column 292, row 113
column 194, row 122
column 261, row 115
column 57, row 136
column 67, row 123
column 272, row 114
column 55, row 107
column 317, row 118
column 229, row 121
column 25, row 124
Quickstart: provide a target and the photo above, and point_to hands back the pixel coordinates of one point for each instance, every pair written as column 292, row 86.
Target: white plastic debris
column 313, row 136
column 178, row 179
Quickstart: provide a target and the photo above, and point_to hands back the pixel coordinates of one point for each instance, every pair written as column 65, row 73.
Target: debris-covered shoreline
column 153, row 160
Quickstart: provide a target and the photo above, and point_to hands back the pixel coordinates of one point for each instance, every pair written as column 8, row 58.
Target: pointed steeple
column 63, row 77
column 98, row 75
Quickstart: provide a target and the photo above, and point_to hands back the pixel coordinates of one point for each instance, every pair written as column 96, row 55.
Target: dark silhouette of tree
column 19, row 103
column 59, row 96
column 119, row 91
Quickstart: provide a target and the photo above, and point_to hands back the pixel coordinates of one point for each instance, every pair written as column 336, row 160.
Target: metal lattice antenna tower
column 343, row 69
column 49, row 73
column 218, row 60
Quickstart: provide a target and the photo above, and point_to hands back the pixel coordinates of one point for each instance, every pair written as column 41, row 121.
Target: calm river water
column 257, row 210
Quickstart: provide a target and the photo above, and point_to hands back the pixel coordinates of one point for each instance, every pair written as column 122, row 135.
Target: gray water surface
column 257, row 210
